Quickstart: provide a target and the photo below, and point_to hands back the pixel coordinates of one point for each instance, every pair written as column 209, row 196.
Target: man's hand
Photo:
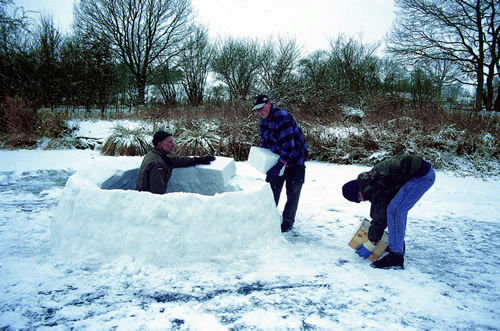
column 365, row 249
column 274, row 171
column 204, row 159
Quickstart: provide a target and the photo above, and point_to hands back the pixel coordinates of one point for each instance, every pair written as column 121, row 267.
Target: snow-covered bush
column 353, row 114
column 126, row 141
column 197, row 141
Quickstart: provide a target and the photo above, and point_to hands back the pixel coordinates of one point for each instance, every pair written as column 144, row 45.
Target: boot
column 388, row 250
column 285, row 227
column 390, row 261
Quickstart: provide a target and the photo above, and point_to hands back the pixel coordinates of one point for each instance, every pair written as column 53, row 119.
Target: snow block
column 204, row 179
column 262, row 159
column 92, row 226
column 207, row 179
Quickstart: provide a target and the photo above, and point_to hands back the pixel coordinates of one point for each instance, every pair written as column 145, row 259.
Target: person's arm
column 378, row 213
column 187, row 161
column 204, row 159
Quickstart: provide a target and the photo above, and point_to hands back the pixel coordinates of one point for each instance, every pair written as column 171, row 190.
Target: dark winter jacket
column 280, row 133
column 156, row 170
column 382, row 183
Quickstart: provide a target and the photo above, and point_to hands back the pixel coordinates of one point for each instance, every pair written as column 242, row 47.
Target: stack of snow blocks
column 93, row 226
column 361, row 236
column 262, row 159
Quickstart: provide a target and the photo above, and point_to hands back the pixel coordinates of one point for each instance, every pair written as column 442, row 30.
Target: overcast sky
column 312, row 22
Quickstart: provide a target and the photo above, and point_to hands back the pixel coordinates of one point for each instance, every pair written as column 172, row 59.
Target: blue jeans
column 294, row 177
column 403, row 201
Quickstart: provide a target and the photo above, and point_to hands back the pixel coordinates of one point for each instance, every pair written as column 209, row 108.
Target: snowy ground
column 311, row 280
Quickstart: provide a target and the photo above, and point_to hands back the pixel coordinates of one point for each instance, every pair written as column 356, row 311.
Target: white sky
column 311, row 22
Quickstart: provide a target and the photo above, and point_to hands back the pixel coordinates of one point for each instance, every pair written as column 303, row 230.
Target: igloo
column 209, row 212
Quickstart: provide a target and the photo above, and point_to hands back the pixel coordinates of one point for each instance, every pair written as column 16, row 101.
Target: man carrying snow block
column 393, row 187
column 156, row 168
column 280, row 133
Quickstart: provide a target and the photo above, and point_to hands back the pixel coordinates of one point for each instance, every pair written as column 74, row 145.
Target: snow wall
column 93, row 225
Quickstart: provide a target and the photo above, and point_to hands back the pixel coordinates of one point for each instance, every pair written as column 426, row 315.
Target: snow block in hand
column 262, row 159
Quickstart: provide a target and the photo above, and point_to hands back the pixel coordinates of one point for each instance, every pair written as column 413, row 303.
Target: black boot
column 285, row 227
column 390, row 261
column 388, row 250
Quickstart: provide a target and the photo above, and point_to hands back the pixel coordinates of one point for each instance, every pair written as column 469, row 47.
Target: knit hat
column 350, row 191
column 159, row 136
column 259, row 101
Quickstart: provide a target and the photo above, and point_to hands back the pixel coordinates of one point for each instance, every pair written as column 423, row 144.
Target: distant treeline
column 126, row 53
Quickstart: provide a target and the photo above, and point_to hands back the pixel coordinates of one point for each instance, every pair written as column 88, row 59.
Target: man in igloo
column 157, row 165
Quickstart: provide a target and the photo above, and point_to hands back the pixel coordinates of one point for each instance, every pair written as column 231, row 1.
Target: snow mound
column 93, row 225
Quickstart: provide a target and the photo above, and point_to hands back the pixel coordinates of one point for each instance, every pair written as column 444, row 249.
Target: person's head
column 262, row 105
column 163, row 141
column 351, row 192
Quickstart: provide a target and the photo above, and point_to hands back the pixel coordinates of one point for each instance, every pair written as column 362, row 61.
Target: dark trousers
column 294, row 177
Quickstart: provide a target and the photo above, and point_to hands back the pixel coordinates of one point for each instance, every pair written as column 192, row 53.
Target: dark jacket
column 280, row 133
column 156, row 170
column 380, row 185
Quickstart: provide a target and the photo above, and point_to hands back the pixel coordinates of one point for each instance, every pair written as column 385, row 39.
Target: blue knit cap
column 350, row 191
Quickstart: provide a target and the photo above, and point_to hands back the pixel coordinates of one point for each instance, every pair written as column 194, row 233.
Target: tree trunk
column 489, row 88
column 496, row 106
column 141, row 87
column 479, row 96
column 480, row 61
column 480, row 83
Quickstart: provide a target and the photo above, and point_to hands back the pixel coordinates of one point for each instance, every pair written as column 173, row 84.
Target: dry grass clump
column 22, row 125
column 237, row 137
column 19, row 122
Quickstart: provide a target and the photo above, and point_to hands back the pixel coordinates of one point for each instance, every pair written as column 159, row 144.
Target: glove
column 365, row 249
column 204, row 159
column 274, row 171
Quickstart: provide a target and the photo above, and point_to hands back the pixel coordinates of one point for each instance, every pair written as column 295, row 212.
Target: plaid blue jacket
column 280, row 133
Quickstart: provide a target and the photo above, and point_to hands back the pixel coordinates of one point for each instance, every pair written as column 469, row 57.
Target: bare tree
column 236, row 63
column 16, row 64
column 394, row 76
column 465, row 32
column 353, row 65
column 441, row 72
column 47, row 50
column 167, row 79
column 279, row 60
column 14, row 24
column 315, row 83
column 144, row 34
column 194, row 62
